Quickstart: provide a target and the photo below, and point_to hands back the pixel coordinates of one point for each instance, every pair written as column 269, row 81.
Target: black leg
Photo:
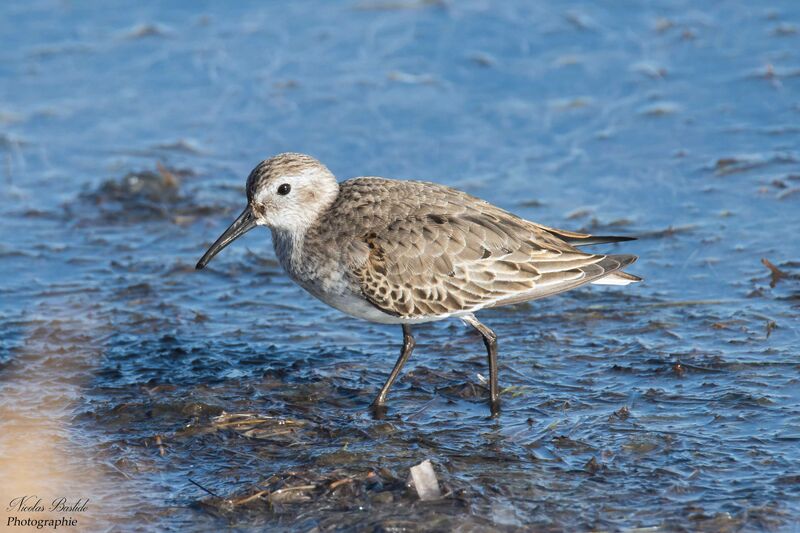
column 490, row 341
column 408, row 346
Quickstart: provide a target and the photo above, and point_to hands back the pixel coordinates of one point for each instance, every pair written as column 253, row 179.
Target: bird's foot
column 378, row 410
column 494, row 406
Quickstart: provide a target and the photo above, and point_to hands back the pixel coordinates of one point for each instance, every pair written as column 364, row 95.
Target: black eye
column 284, row 189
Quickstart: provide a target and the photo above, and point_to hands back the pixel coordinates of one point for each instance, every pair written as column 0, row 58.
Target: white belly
column 358, row 307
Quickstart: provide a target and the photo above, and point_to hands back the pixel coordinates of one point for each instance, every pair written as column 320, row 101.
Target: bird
column 407, row 252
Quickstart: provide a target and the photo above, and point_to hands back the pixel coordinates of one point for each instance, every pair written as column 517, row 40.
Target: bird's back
column 419, row 250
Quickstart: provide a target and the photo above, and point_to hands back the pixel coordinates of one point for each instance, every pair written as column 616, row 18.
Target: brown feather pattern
column 419, row 249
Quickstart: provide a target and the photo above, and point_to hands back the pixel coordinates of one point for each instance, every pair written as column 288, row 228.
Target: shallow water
column 132, row 380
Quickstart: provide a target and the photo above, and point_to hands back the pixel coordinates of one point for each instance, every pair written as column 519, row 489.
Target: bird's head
column 286, row 193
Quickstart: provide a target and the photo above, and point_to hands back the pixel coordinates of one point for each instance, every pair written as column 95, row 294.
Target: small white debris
column 423, row 479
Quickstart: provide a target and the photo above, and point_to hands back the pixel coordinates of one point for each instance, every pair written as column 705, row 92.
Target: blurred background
column 177, row 399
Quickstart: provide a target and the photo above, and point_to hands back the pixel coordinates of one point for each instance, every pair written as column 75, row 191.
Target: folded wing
column 438, row 263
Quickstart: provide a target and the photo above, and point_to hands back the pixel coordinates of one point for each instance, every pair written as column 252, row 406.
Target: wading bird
column 407, row 252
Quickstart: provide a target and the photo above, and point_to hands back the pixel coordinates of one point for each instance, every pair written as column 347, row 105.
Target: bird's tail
column 617, row 278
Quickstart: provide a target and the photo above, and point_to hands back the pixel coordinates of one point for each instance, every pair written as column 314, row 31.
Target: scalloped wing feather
column 438, row 252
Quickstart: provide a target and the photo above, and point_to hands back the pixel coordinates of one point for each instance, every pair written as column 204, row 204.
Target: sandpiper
column 407, row 252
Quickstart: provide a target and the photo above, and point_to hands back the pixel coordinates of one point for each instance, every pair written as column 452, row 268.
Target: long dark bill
column 244, row 223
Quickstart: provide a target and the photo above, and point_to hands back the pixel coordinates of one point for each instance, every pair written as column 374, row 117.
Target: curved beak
column 244, row 223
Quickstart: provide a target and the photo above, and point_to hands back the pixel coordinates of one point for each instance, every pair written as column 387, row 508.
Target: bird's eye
column 284, row 189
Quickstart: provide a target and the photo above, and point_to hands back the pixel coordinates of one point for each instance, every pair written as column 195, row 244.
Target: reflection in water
column 40, row 387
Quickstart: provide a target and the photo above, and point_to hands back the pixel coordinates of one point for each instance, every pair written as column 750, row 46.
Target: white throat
column 289, row 248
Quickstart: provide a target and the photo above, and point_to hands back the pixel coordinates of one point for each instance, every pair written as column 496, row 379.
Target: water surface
column 128, row 378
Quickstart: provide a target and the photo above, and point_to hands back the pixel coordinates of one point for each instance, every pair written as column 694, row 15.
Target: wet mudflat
column 180, row 400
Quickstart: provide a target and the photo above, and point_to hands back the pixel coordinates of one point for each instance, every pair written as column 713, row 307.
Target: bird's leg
column 405, row 353
column 490, row 341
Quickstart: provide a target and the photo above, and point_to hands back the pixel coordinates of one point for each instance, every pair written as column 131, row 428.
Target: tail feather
column 556, row 282
column 617, row 278
column 596, row 239
column 582, row 239
column 614, row 274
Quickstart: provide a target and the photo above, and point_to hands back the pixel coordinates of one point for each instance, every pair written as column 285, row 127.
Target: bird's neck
column 289, row 248
column 289, row 239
